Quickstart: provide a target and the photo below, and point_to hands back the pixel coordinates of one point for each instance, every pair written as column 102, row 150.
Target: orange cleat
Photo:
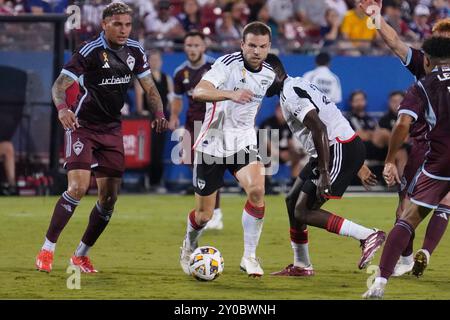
column 84, row 263
column 44, row 260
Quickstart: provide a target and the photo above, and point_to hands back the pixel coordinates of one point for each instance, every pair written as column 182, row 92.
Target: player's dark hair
column 323, row 59
column 257, row 28
column 355, row 93
column 437, row 47
column 396, row 92
column 194, row 33
column 280, row 75
column 117, row 8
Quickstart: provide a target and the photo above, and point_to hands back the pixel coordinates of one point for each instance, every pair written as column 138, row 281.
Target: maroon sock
column 409, row 248
column 334, row 223
column 98, row 220
column 63, row 211
column 299, row 236
column 395, row 244
column 436, row 228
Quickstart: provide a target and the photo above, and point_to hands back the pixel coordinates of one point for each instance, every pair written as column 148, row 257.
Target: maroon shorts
column 100, row 151
column 427, row 192
column 415, row 160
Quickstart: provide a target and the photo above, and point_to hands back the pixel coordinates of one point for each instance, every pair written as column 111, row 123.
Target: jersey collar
column 105, row 43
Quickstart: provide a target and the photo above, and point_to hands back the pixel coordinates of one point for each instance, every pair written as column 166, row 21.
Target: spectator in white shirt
column 324, row 79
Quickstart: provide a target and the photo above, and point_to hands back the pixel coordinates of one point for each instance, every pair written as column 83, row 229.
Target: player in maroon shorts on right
column 412, row 59
column 186, row 77
column 430, row 188
column 103, row 68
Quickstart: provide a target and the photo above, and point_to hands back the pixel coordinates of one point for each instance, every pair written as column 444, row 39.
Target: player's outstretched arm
column 65, row 115
column 320, row 138
column 205, row 91
column 399, row 134
column 154, row 101
column 176, row 108
column 390, row 37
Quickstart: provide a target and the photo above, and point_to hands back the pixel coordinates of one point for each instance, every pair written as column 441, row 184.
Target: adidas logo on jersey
column 106, row 65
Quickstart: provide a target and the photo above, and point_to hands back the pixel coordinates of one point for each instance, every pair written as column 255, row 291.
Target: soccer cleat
column 252, row 266
column 84, row 263
column 376, row 291
column 216, row 222
column 294, row 271
column 185, row 255
column 370, row 246
column 44, row 260
column 421, row 261
column 403, row 266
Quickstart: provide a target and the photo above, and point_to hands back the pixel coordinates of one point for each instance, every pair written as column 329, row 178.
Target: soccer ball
column 206, row 263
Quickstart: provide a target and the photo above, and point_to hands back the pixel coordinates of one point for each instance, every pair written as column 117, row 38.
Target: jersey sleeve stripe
column 70, row 74
column 91, row 49
column 136, row 46
column 408, row 58
column 179, row 68
column 408, row 112
column 143, row 74
column 89, row 45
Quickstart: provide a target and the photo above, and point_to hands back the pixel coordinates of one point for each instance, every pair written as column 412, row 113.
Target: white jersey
column 299, row 97
column 228, row 126
column 326, row 81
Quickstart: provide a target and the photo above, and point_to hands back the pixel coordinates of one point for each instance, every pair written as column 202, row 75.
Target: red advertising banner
column 136, row 142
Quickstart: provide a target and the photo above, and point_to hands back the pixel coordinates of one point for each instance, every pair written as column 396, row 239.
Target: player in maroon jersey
column 103, row 68
column 430, row 187
column 412, row 59
column 186, row 77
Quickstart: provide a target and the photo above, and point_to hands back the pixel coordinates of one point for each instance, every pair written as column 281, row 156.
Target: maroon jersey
column 185, row 79
column 414, row 63
column 104, row 76
column 430, row 96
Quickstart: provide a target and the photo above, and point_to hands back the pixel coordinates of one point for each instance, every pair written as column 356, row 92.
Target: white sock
column 48, row 245
column 407, row 260
column 82, row 250
column 301, row 254
column 218, row 214
column 354, row 230
column 252, row 232
column 192, row 234
column 380, row 280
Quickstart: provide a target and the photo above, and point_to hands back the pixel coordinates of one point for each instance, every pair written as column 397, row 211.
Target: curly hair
column 116, row 8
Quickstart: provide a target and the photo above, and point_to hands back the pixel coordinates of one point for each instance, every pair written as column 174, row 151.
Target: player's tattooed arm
column 320, row 138
column 154, row 101
column 65, row 115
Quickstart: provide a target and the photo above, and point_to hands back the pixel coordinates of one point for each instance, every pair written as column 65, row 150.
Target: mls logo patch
column 78, row 147
column 130, row 62
column 201, row 184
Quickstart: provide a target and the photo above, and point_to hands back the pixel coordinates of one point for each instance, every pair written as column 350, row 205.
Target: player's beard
column 196, row 61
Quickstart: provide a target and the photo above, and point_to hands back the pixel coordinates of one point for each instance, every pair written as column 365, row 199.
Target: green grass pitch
column 137, row 256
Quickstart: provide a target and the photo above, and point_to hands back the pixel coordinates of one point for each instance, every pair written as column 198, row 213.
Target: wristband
column 61, row 106
column 159, row 114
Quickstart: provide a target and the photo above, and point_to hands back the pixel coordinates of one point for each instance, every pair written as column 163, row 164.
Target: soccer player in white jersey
column 233, row 89
column 337, row 155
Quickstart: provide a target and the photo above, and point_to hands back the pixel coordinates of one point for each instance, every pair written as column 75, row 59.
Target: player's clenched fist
column 242, row 96
column 68, row 119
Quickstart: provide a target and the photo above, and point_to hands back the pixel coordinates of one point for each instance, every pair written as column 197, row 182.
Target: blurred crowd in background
column 297, row 25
